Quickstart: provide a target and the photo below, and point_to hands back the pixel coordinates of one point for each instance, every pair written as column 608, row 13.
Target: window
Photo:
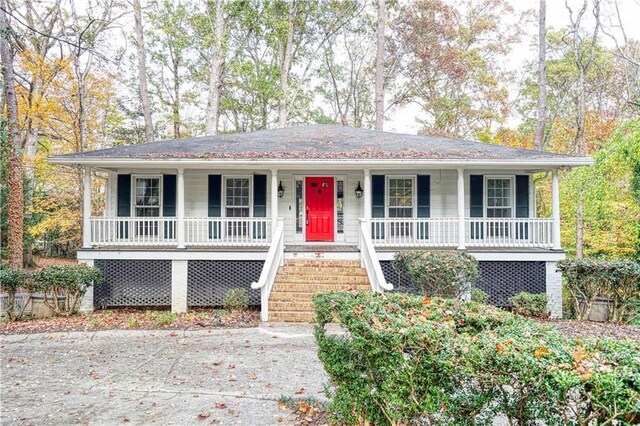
column 400, row 205
column 499, row 197
column 237, row 197
column 147, row 204
column 499, row 205
column 147, row 197
column 400, row 197
column 340, row 206
column 237, row 205
column 299, row 204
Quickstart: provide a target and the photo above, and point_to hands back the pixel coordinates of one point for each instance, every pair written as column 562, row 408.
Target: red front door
column 320, row 214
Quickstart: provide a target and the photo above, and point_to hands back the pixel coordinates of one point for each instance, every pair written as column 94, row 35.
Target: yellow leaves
column 500, row 347
column 426, row 300
column 541, row 352
column 580, row 354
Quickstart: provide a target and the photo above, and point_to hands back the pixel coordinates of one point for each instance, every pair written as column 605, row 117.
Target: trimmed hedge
column 411, row 360
column 439, row 273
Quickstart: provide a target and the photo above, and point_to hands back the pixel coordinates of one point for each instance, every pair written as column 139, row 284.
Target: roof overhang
column 307, row 163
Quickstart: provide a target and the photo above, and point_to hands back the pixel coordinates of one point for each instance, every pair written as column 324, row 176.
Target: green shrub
column 439, row 273
column 236, row 299
column 479, row 296
column 12, row 281
column 589, row 279
column 66, row 281
column 411, row 360
column 165, row 318
column 530, row 305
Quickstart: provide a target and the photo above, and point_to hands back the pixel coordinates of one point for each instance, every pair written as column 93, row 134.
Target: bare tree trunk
column 142, row 72
column 583, row 64
column 216, row 72
column 286, row 55
column 176, row 100
column 15, row 172
column 382, row 17
column 542, row 77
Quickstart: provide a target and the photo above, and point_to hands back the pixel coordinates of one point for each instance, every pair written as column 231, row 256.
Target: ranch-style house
column 290, row 211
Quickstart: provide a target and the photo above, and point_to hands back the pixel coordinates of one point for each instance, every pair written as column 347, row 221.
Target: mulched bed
column 582, row 329
column 132, row 319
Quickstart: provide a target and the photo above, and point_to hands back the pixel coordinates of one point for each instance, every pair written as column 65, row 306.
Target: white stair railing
column 369, row 259
column 275, row 259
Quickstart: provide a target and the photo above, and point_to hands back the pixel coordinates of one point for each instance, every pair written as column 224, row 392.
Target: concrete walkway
column 162, row 377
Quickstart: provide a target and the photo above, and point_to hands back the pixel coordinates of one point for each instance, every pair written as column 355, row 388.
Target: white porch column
column 86, row 208
column 180, row 232
column 274, row 200
column 555, row 209
column 86, row 303
column 179, row 286
column 461, row 227
column 367, row 194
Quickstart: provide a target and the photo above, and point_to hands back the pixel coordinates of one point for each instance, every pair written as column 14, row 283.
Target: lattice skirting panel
column 133, row 283
column 209, row 280
column 500, row 280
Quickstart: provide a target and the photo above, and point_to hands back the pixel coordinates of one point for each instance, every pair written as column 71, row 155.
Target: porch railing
column 479, row 232
column 133, row 231
column 275, row 259
column 162, row 231
column 408, row 232
column 369, row 260
column 225, row 231
column 509, row 232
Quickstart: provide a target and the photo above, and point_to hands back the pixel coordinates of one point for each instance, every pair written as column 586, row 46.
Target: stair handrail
column 369, row 260
column 275, row 259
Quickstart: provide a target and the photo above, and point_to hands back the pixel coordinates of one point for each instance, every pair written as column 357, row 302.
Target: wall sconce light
column 359, row 191
column 280, row 190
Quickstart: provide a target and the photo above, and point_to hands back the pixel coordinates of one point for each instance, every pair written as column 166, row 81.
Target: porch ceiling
column 321, row 145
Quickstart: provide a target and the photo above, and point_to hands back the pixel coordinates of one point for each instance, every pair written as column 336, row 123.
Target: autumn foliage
column 413, row 360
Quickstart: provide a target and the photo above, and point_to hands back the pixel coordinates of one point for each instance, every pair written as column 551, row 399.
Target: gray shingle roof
column 314, row 142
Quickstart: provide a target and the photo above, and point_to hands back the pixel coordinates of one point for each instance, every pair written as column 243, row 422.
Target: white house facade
column 186, row 220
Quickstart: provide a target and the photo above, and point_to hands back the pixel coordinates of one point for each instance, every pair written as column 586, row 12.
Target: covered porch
column 439, row 208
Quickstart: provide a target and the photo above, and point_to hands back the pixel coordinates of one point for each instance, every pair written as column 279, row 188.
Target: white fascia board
column 305, row 164
column 150, row 254
column 500, row 256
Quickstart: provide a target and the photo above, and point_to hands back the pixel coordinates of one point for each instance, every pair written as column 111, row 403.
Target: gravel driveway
column 164, row 377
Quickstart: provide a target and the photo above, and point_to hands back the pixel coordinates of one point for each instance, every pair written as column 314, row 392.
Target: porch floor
column 324, row 248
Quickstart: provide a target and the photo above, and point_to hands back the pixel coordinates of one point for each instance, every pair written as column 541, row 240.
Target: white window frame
column 414, row 195
column 134, row 204
column 512, row 194
column 224, row 193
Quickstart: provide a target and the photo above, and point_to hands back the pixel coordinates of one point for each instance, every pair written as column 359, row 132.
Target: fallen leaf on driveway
column 204, row 415
column 299, row 391
column 221, row 405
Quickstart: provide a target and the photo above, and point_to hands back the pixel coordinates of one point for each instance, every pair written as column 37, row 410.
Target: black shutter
column 169, row 203
column 476, row 204
column 124, row 195
column 377, row 204
column 522, row 205
column 260, row 205
column 169, row 195
column 124, row 204
column 424, row 204
column 260, row 196
column 215, row 205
